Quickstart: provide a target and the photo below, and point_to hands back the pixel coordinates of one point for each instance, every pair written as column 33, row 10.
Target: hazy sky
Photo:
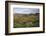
column 25, row 10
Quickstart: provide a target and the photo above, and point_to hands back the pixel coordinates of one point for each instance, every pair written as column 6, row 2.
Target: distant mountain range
column 37, row 14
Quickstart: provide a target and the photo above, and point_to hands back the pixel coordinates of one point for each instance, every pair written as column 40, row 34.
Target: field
column 26, row 20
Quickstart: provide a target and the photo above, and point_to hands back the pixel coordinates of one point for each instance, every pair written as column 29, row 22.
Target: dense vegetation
column 24, row 20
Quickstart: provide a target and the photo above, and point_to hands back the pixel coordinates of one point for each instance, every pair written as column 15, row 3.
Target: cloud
column 25, row 10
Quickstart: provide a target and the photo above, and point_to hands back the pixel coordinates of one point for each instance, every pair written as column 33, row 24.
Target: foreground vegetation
column 31, row 20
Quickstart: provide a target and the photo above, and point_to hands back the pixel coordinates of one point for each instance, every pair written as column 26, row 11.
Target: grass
column 16, row 25
column 23, row 21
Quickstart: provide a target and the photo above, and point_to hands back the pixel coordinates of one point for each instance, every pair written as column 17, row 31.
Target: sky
column 25, row 10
